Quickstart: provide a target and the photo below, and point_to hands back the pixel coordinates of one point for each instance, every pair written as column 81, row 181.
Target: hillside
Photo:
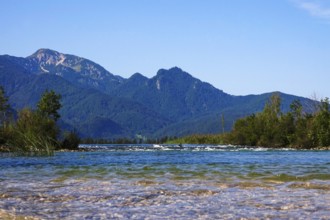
column 102, row 105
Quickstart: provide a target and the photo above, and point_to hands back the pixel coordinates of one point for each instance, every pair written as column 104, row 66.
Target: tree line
column 273, row 128
column 34, row 130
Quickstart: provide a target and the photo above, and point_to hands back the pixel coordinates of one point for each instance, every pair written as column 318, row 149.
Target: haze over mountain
column 100, row 104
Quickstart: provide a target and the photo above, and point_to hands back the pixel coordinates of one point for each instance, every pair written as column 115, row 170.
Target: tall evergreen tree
column 270, row 120
column 4, row 117
column 321, row 125
column 4, row 106
column 49, row 104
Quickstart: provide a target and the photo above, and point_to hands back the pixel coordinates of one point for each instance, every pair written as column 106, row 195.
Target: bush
column 71, row 141
column 33, row 132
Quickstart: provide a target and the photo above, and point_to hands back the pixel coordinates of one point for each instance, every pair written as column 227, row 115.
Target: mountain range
column 100, row 104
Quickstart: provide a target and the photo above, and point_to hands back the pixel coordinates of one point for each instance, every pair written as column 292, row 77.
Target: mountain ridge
column 80, row 71
column 98, row 103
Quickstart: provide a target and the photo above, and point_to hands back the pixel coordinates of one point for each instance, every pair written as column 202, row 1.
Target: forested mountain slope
column 99, row 104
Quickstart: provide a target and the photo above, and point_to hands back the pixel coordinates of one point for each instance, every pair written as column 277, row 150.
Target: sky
column 241, row 47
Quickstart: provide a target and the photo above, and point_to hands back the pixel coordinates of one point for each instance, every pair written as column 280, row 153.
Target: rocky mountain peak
column 77, row 70
column 48, row 57
column 174, row 74
column 103, row 105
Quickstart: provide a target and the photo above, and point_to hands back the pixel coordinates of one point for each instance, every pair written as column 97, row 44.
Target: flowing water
column 167, row 182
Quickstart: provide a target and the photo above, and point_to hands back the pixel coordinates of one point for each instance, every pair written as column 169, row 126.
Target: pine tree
column 321, row 124
column 4, row 117
column 4, row 107
column 49, row 104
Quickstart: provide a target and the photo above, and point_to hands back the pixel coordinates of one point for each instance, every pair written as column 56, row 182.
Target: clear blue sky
column 240, row 46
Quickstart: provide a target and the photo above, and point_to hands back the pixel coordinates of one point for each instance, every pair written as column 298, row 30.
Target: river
column 167, row 182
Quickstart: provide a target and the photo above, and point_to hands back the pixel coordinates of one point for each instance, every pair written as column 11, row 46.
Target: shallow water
column 167, row 182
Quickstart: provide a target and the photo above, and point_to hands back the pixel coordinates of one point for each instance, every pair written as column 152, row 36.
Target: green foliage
column 321, row 125
column 71, row 141
column 275, row 129
column 245, row 131
column 33, row 132
column 113, row 107
column 49, row 104
column 4, row 117
column 4, row 106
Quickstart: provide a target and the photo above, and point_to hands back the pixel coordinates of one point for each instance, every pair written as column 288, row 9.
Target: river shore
column 6, row 149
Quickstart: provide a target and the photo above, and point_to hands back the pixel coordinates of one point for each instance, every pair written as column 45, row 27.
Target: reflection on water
column 159, row 182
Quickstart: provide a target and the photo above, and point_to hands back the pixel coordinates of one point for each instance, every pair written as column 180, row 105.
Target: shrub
column 71, row 141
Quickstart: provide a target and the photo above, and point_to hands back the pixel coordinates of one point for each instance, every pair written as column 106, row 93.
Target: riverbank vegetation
column 34, row 131
column 273, row 128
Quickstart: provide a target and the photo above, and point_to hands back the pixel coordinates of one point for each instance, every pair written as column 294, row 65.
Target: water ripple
column 175, row 184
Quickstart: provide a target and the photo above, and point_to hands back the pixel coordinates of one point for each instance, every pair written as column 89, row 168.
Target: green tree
column 71, row 140
column 4, row 117
column 245, row 131
column 321, row 125
column 34, row 132
column 269, row 122
column 300, row 137
column 284, row 134
column 267, row 128
column 296, row 109
column 49, row 104
column 4, row 107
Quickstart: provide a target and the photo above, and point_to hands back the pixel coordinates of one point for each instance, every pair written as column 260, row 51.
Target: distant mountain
column 79, row 71
column 88, row 110
column 101, row 105
column 174, row 93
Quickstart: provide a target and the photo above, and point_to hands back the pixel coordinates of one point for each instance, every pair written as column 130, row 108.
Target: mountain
column 83, row 109
column 176, row 94
column 79, row 71
column 100, row 104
